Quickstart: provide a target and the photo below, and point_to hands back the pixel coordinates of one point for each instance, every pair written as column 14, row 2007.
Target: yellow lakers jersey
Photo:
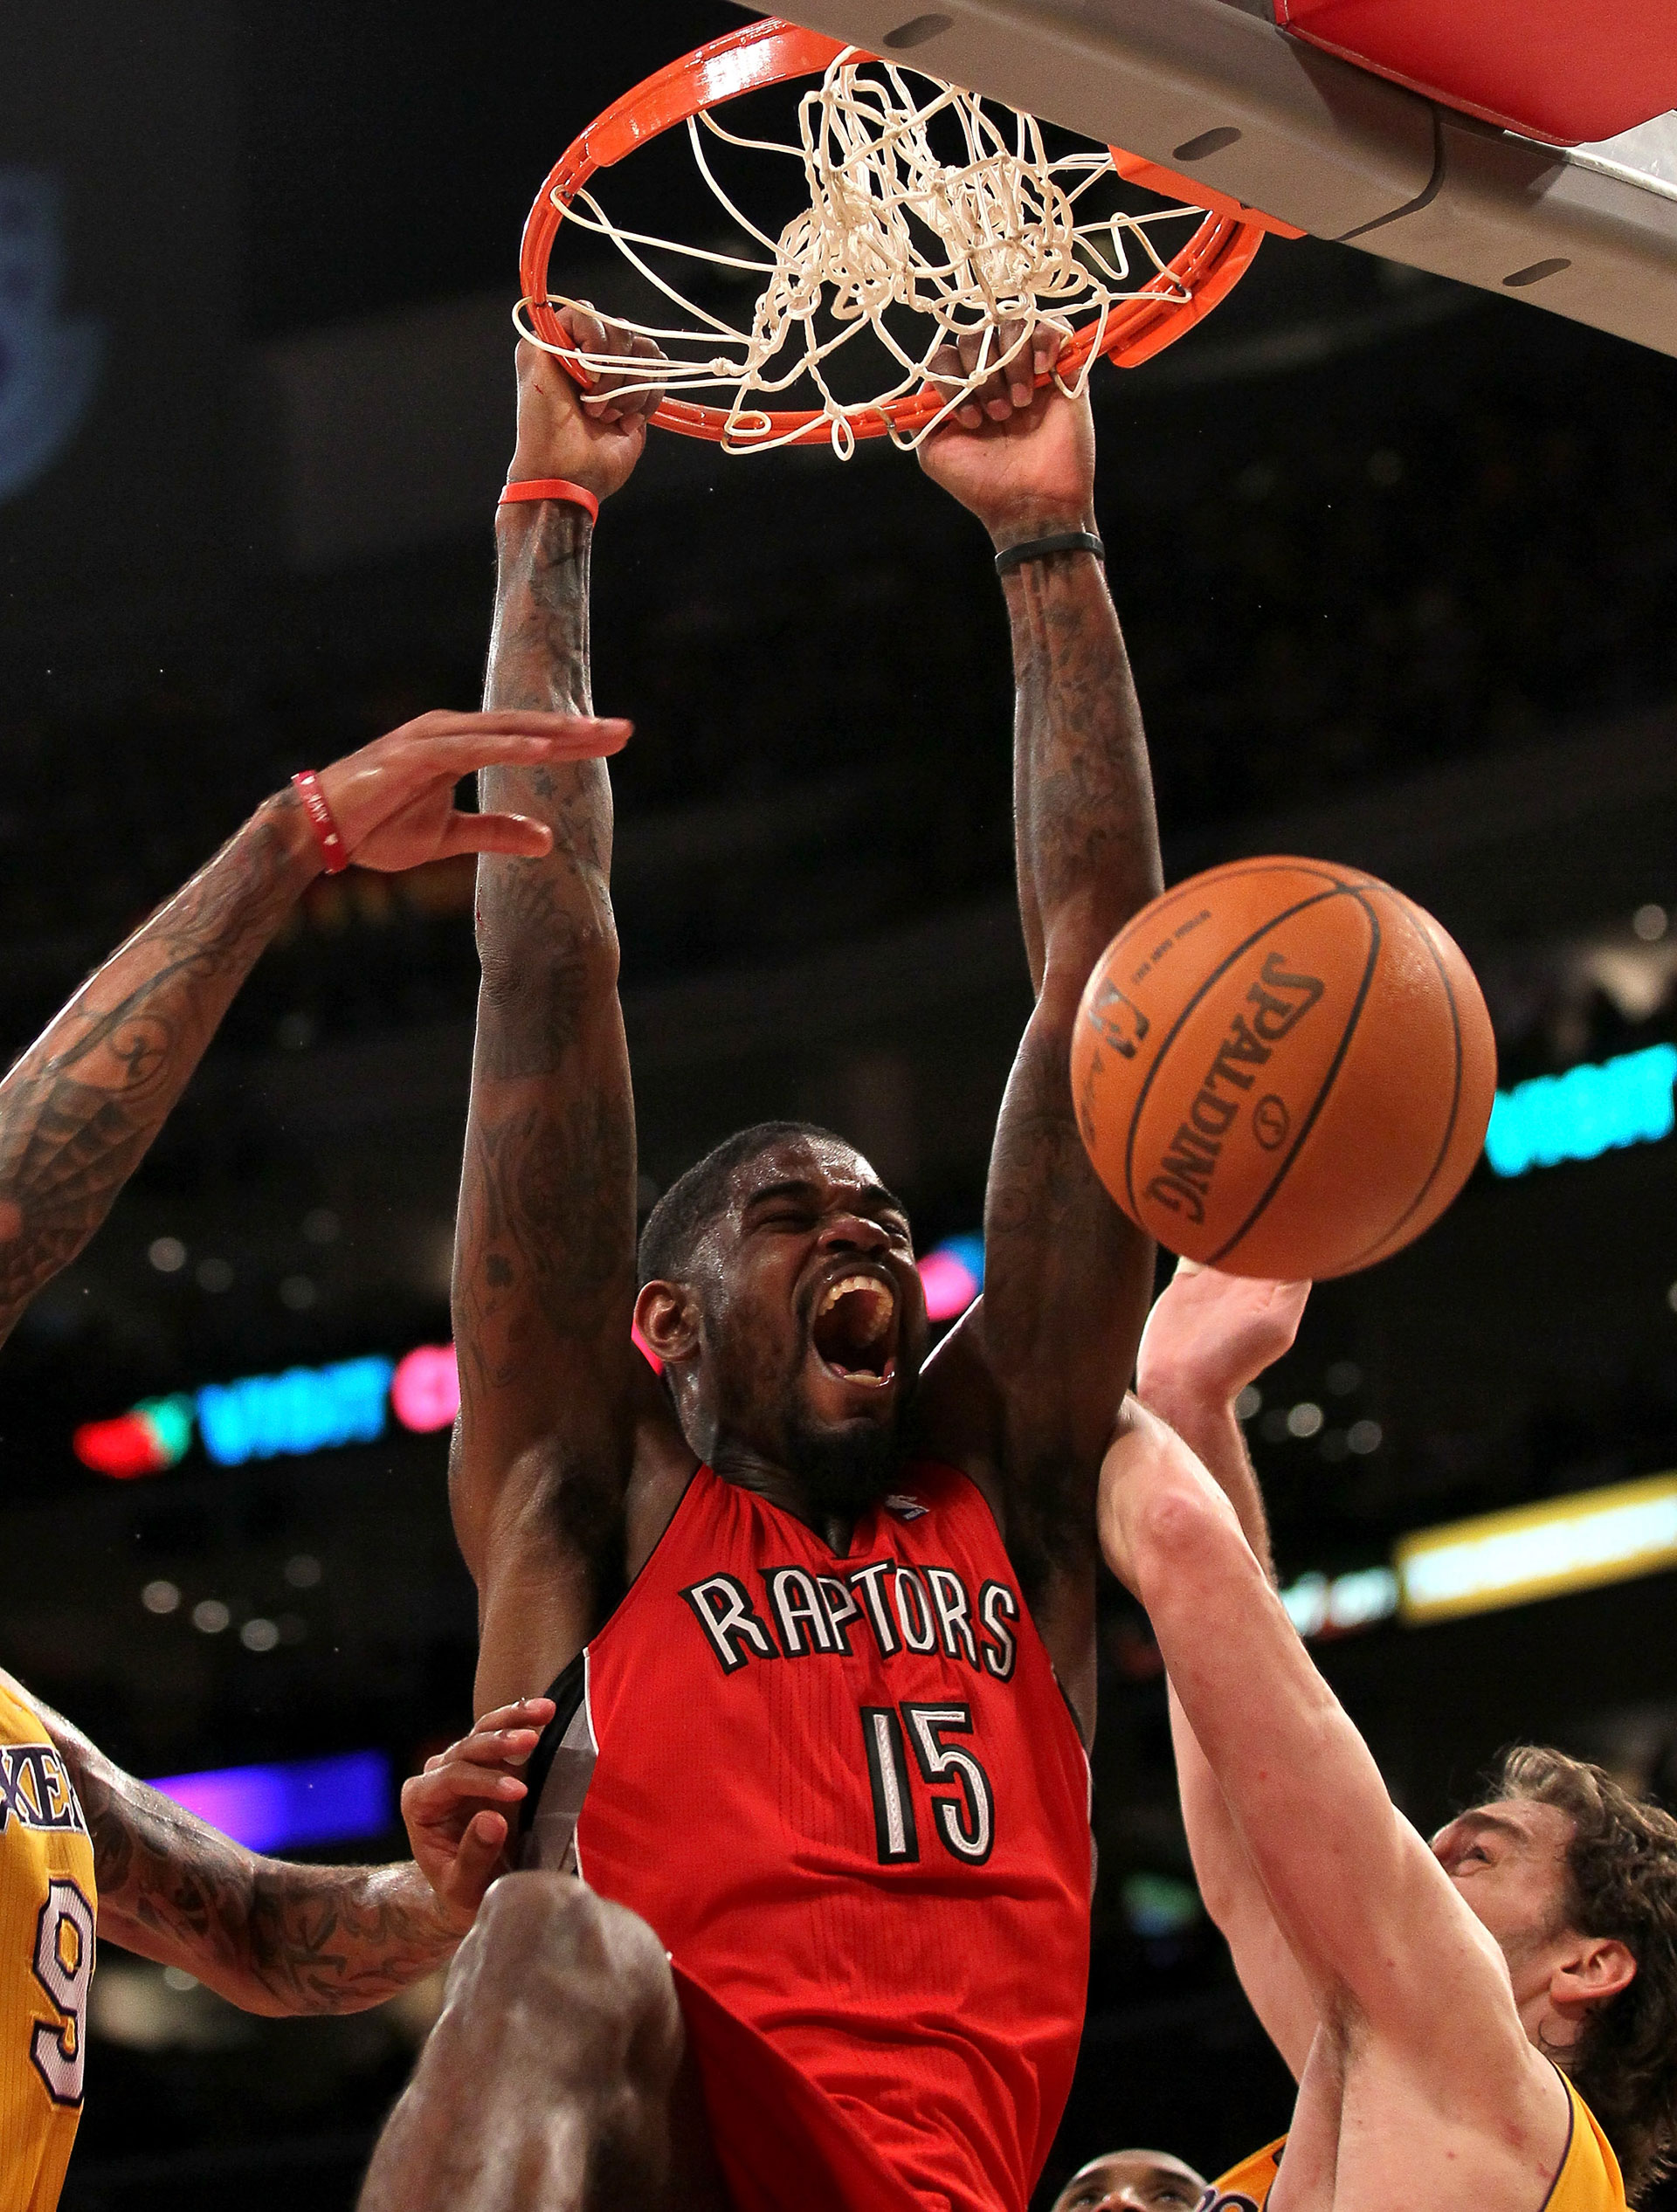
column 1588, row 2180
column 48, row 1905
column 1246, row 2187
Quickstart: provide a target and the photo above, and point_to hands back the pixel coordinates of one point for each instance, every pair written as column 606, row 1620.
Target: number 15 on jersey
column 964, row 1818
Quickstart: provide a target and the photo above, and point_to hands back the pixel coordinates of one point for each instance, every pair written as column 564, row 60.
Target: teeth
column 853, row 1283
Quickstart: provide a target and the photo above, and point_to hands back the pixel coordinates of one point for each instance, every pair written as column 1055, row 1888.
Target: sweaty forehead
column 826, row 1164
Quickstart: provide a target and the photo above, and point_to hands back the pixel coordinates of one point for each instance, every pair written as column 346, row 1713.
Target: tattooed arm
column 276, row 1938
column 545, row 1242
column 78, row 1111
column 1035, row 1375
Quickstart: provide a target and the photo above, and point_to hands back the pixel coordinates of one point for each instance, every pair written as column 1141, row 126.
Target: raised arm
column 544, row 1251
column 1067, row 1276
column 1207, row 1337
column 1385, row 1945
column 79, row 1109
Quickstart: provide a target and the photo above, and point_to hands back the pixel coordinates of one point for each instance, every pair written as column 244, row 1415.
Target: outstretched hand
column 394, row 801
column 457, row 1812
column 1019, row 456
column 594, row 435
column 1209, row 1335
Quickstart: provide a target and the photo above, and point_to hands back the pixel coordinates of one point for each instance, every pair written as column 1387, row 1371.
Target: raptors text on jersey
column 849, row 1796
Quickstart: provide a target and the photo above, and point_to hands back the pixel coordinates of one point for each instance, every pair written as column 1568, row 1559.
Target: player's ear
column 667, row 1316
column 1595, row 1968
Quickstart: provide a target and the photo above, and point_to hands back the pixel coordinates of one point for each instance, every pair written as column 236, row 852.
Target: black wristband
column 1036, row 549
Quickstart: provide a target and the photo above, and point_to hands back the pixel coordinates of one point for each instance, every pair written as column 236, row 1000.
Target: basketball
column 1283, row 1068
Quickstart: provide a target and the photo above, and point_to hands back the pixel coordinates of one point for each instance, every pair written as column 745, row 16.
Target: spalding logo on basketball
column 1283, row 1067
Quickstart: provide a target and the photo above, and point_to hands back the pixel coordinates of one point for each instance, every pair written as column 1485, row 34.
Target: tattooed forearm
column 271, row 1937
column 544, row 928
column 1087, row 844
column 81, row 1108
column 1065, row 1284
column 547, row 1209
column 544, row 1242
column 539, row 647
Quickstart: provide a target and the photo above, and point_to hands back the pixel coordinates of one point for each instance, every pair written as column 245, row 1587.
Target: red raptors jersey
column 846, row 1792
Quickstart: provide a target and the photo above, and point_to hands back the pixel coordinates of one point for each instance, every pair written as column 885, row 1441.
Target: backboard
column 1384, row 127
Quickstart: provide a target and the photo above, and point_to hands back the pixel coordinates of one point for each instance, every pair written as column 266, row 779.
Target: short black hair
column 676, row 1225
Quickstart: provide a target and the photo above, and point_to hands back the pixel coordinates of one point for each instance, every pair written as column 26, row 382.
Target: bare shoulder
column 958, row 1414
column 571, row 1531
column 1487, row 2136
column 961, row 1418
column 663, row 1466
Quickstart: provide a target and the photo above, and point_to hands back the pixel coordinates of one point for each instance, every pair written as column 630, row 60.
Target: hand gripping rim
column 773, row 52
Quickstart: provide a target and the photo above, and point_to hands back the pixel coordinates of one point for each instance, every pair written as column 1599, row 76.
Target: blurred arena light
column 953, row 1275
column 1586, row 1112
column 1160, row 1905
column 425, row 1388
column 306, row 1801
column 1317, row 1604
column 1582, row 1543
column 308, row 1410
column 304, row 1409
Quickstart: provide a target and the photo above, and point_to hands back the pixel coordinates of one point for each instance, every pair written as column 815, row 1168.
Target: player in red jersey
column 827, row 1750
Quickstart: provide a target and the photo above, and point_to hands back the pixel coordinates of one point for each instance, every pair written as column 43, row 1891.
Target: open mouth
column 854, row 1330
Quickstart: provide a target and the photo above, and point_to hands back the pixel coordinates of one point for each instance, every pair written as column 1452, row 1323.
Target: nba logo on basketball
column 1120, row 1021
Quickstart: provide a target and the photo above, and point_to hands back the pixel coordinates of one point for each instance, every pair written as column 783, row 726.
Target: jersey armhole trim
column 1572, row 2131
column 567, row 1694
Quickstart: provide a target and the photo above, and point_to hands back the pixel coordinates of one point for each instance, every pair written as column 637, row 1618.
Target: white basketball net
column 992, row 241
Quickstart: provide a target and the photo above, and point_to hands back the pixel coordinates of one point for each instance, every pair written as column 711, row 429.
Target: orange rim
column 771, row 53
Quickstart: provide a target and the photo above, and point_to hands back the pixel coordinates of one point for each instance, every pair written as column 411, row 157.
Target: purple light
column 307, row 1800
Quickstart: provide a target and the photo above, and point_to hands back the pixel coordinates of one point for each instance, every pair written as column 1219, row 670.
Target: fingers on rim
column 585, row 328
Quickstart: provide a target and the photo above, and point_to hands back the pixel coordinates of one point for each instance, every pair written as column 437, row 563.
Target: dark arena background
column 1396, row 562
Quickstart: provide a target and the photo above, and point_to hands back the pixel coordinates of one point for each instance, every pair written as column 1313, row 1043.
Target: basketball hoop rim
column 771, row 53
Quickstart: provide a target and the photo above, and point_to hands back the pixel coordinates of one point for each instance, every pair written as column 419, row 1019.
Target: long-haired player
column 1484, row 2024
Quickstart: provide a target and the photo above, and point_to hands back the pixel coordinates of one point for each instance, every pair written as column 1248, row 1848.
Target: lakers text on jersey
column 48, row 1908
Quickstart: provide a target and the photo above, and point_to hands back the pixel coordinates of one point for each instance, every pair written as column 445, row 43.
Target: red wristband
column 552, row 487
column 326, row 833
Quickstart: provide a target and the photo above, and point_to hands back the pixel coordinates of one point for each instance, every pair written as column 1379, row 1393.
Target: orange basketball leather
column 1283, row 1067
